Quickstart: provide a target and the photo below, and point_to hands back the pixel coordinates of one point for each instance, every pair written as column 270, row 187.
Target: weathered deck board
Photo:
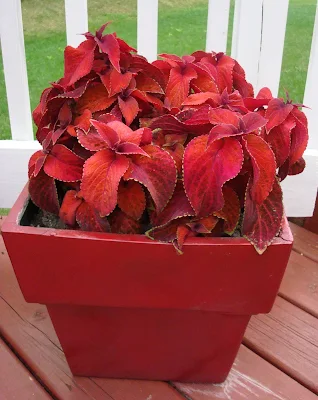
column 250, row 378
column 15, row 380
column 288, row 339
column 305, row 242
column 300, row 283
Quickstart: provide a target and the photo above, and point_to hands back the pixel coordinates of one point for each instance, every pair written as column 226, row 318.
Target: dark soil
column 45, row 219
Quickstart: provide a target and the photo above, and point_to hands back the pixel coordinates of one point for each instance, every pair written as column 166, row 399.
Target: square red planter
column 125, row 306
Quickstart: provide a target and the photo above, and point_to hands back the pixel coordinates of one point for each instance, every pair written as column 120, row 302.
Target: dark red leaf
column 131, row 199
column 177, row 207
column 123, row 223
column 264, row 167
column 89, row 220
column 231, row 210
column 262, row 222
column 43, row 193
column 69, row 207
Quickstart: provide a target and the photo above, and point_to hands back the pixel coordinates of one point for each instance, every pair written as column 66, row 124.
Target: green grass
column 4, row 211
column 182, row 29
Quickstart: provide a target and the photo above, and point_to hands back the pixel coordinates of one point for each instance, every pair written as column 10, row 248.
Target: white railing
column 257, row 43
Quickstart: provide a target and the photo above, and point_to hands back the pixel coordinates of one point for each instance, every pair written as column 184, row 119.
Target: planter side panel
column 185, row 346
column 224, row 277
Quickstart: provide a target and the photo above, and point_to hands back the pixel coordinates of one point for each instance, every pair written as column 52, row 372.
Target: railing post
column 217, row 25
column 272, row 44
column 246, row 38
column 76, row 19
column 15, row 70
column 147, row 28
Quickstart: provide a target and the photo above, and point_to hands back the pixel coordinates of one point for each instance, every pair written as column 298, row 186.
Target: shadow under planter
column 124, row 306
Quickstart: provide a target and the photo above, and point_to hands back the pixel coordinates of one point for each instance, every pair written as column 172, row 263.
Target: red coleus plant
column 174, row 149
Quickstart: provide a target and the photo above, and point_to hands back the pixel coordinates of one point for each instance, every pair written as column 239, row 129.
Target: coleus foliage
column 177, row 148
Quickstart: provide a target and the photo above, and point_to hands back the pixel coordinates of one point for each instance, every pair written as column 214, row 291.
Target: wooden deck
column 277, row 360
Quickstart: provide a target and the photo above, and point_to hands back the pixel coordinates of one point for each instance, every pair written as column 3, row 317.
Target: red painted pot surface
column 126, row 306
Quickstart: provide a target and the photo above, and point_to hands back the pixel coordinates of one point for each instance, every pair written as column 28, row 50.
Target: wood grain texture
column 300, row 283
column 288, row 339
column 305, row 242
column 28, row 328
column 250, row 378
column 15, row 380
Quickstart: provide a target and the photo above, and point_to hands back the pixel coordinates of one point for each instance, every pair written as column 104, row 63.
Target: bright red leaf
column 101, row 177
column 207, row 168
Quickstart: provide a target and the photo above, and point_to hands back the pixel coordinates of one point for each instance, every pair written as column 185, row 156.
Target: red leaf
column 279, row 140
column 176, row 151
column 231, row 210
column 203, row 225
column 91, row 141
column 101, row 177
column 63, row 164
column 131, row 199
column 224, row 66
column 109, row 45
column 177, row 207
column 43, row 193
column 95, row 99
column 36, row 163
column 276, row 113
column 196, row 99
column 200, row 117
column 147, row 84
column 78, row 62
column 123, row 224
column 240, row 83
column 69, row 207
column 207, row 168
column 222, row 131
column 126, row 134
column 83, row 121
column 262, row 222
column 264, row 167
column 265, row 93
column 169, row 123
column 157, row 172
column 252, row 122
column 179, row 84
column 299, row 137
column 89, row 220
column 183, row 232
column 130, row 148
column 297, row 167
column 129, row 108
column 115, row 81
column 109, row 135
column 166, row 233
column 223, row 116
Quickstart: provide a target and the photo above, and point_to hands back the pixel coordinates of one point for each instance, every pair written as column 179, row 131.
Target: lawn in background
column 182, row 29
